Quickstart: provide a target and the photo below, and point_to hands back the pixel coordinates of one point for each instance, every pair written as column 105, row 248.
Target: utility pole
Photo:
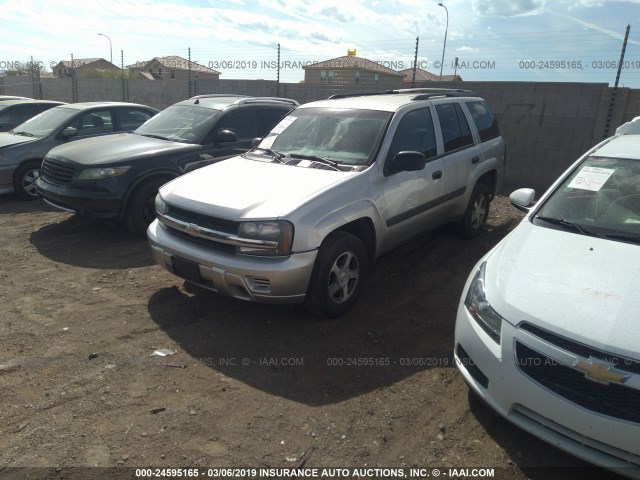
column 415, row 64
column 278, row 75
column 614, row 92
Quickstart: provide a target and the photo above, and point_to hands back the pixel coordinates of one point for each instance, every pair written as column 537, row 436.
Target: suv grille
column 213, row 223
column 55, row 171
column 613, row 400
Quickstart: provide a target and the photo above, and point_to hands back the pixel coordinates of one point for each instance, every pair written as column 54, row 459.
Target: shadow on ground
column 402, row 324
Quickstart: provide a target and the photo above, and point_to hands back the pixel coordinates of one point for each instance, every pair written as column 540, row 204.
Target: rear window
column 484, row 120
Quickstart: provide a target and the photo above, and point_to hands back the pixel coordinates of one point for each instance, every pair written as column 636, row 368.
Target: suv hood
column 239, row 188
column 9, row 139
column 581, row 287
column 119, row 147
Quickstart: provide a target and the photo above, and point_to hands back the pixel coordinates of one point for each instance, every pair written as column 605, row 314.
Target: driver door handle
column 437, row 175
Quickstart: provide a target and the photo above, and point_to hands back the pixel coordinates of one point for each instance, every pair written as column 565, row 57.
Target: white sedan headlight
column 278, row 232
column 96, row 173
column 480, row 309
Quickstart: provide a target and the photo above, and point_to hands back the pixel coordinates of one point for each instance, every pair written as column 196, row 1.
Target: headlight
column 96, row 173
column 161, row 206
column 479, row 308
column 279, row 232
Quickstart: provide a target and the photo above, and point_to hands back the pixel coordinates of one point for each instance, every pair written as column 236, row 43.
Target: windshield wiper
column 25, row 134
column 566, row 223
column 315, row 158
column 632, row 237
column 159, row 137
column 276, row 155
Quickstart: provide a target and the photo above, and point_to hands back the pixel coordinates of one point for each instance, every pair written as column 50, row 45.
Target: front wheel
column 338, row 275
column 141, row 210
column 24, row 180
column 477, row 211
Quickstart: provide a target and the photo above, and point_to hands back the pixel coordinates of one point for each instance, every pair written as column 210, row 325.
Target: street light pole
column 445, row 39
column 110, row 47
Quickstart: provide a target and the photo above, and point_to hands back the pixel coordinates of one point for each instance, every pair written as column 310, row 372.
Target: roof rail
column 426, row 93
column 266, row 99
column 213, row 95
column 354, row 94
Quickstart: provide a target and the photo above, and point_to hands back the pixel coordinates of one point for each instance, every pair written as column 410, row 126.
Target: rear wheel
column 477, row 211
column 141, row 210
column 338, row 275
column 24, row 180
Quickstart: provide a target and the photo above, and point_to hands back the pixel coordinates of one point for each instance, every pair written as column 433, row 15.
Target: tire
column 477, row 211
column 338, row 275
column 141, row 210
column 24, row 180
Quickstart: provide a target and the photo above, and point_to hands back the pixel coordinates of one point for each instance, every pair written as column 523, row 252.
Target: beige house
column 425, row 76
column 352, row 70
column 83, row 66
column 172, row 67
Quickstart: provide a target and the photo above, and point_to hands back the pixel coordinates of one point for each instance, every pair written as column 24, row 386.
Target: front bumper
column 6, row 178
column 492, row 371
column 83, row 202
column 276, row 280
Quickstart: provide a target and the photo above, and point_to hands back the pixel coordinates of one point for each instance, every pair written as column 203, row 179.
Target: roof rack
column 354, row 94
column 213, row 95
column 266, row 99
column 426, row 93
column 422, row 93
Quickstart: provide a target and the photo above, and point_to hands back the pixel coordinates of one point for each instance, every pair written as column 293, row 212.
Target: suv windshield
column 180, row 123
column 43, row 124
column 347, row 136
column 601, row 197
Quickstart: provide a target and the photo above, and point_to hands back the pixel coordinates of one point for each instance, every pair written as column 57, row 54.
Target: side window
column 270, row 118
column 130, row 119
column 415, row 133
column 484, row 120
column 455, row 129
column 93, row 123
column 244, row 123
column 19, row 113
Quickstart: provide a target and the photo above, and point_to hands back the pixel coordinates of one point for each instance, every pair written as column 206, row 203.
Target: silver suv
column 336, row 184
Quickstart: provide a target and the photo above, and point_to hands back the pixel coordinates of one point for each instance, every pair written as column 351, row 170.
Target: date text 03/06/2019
column 275, row 473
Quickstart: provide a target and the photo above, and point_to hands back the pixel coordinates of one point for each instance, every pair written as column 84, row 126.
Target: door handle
column 437, row 175
column 475, row 160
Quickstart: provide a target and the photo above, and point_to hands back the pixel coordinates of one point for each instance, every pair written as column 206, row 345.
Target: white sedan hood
column 248, row 189
column 581, row 287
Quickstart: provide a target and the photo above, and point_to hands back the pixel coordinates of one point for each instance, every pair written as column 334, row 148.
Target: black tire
column 141, row 210
column 24, row 180
column 338, row 275
column 477, row 211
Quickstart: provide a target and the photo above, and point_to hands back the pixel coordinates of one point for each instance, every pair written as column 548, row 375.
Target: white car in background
column 548, row 326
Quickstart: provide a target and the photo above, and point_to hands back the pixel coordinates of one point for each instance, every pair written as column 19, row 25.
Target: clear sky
column 533, row 40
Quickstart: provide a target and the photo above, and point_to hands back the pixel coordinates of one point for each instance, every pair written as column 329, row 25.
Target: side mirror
column 522, row 199
column 225, row 136
column 407, row 162
column 69, row 132
column 255, row 142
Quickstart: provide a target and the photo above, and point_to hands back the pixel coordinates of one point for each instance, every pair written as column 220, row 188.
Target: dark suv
column 118, row 177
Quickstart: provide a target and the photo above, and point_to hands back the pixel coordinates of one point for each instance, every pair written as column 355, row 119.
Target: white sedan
column 548, row 326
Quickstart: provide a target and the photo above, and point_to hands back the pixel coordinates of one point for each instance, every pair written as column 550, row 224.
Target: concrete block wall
column 547, row 126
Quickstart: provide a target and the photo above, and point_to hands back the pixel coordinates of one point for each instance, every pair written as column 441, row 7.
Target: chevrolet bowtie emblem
column 600, row 371
column 192, row 229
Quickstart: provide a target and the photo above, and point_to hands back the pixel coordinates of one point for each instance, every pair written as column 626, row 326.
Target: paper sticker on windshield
column 591, row 178
column 284, row 123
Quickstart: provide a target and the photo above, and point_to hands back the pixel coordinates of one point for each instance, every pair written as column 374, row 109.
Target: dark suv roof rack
column 421, row 93
column 241, row 99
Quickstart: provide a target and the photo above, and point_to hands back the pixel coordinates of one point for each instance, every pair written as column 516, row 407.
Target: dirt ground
column 83, row 306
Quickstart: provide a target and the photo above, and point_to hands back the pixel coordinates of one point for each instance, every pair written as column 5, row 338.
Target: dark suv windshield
column 180, row 123
column 602, row 196
column 347, row 136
